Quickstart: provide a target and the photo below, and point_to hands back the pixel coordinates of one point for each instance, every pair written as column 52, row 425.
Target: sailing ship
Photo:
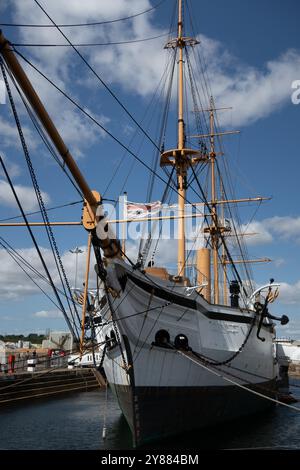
column 178, row 353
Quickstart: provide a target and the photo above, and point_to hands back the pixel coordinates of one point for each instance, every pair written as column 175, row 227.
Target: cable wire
column 98, row 77
column 38, row 212
column 114, row 43
column 95, row 23
column 38, row 249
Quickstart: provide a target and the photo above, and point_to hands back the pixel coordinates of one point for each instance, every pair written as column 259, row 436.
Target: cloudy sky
column 252, row 55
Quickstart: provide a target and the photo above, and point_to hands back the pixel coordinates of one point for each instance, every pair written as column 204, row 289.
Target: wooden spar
column 145, row 219
column 120, row 221
column 38, row 224
column 92, row 201
column 113, row 221
column 239, row 261
column 215, row 134
column 31, row 95
column 248, row 261
column 225, row 201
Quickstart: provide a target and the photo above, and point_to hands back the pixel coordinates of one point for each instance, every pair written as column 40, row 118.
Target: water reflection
column 76, row 422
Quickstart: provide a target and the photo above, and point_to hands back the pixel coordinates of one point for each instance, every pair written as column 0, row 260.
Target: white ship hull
column 162, row 392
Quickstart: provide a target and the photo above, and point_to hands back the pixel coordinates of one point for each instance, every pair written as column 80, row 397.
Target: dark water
column 75, row 422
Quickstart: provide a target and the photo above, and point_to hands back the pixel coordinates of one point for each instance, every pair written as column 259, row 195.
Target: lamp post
column 76, row 251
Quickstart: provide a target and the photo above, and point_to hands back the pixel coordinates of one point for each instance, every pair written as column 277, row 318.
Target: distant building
column 2, row 352
column 87, row 360
column 288, row 350
column 58, row 340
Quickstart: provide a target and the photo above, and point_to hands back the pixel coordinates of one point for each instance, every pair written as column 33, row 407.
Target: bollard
column 31, row 363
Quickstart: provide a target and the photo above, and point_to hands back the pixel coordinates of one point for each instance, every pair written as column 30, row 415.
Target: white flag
column 137, row 210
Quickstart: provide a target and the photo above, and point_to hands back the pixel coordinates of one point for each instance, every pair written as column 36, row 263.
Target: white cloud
column 279, row 262
column 165, row 253
column 48, row 314
column 254, row 93
column 291, row 330
column 25, row 194
column 9, row 135
column 261, row 233
column 13, row 169
column 290, row 293
column 15, row 284
column 272, row 228
column 60, row 65
column 287, row 228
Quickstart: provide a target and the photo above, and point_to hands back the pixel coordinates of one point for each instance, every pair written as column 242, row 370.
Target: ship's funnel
column 203, row 272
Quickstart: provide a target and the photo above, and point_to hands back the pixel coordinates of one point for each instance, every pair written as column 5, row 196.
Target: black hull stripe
column 188, row 303
column 162, row 294
column 167, row 411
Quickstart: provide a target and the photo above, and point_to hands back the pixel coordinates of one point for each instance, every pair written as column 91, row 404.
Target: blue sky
column 252, row 52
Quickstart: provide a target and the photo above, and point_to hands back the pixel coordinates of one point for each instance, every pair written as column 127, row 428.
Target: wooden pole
column 31, row 95
column 180, row 164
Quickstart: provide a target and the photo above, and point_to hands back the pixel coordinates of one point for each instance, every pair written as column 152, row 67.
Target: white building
column 288, row 351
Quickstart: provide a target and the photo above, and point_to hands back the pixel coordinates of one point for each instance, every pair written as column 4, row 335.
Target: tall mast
column 214, row 227
column 181, row 165
column 217, row 227
column 181, row 157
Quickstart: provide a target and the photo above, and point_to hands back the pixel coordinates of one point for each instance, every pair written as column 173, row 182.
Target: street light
column 76, row 251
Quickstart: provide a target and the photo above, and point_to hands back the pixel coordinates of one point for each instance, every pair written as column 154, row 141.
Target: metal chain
column 218, row 372
column 37, row 189
column 222, row 363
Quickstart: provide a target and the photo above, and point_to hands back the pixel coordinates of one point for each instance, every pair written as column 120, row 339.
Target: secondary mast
column 214, row 227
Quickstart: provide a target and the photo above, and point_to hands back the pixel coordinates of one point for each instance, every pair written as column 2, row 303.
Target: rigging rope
column 97, row 123
column 95, row 23
column 17, row 256
column 113, row 43
column 38, row 212
column 222, row 376
column 43, row 212
column 38, row 250
column 28, row 275
column 43, row 135
column 223, row 240
column 98, row 77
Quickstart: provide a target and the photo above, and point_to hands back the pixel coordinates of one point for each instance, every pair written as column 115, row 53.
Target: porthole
column 181, row 342
column 162, row 338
